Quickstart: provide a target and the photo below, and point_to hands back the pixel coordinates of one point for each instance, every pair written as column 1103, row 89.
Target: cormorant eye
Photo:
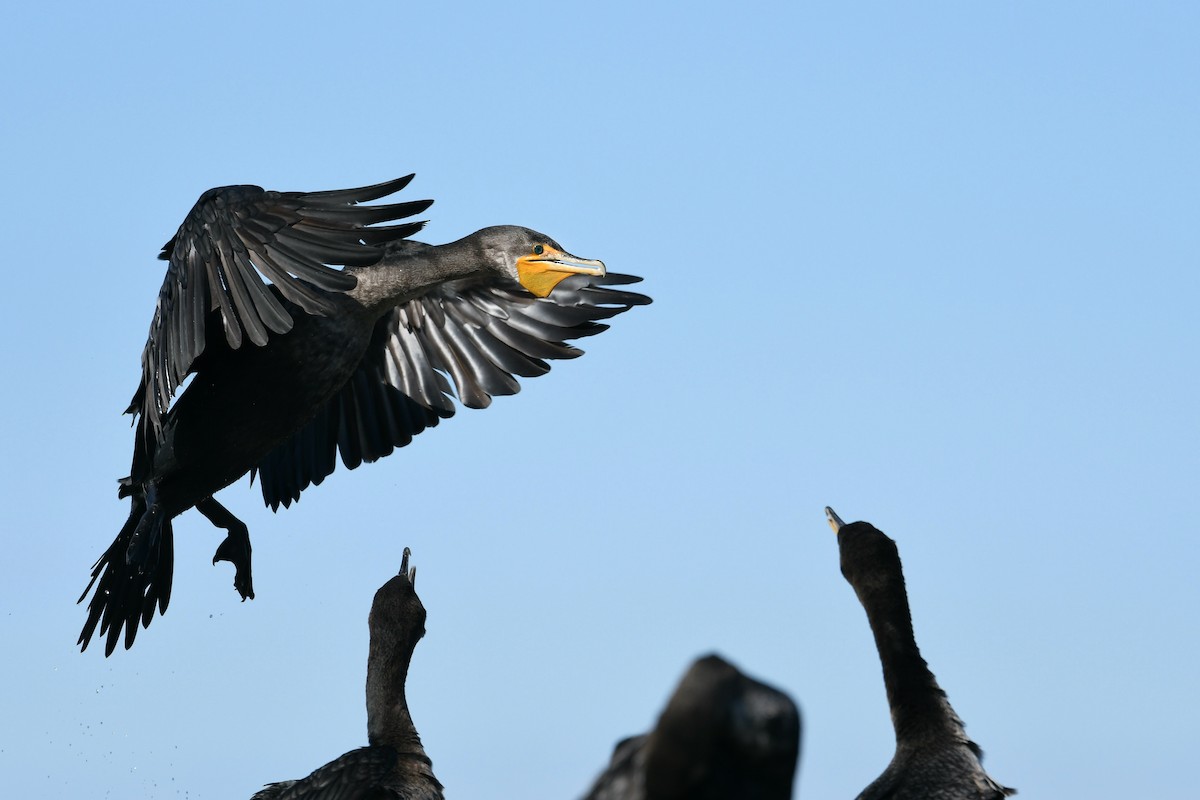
column 538, row 249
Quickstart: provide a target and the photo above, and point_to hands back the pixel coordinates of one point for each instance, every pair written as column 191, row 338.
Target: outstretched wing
column 481, row 336
column 233, row 239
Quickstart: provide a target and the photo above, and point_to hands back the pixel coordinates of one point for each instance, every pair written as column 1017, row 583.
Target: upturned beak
column 542, row 272
column 835, row 521
column 408, row 572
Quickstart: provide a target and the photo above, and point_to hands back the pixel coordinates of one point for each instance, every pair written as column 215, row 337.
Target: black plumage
column 292, row 361
column 934, row 759
column 394, row 763
column 722, row 736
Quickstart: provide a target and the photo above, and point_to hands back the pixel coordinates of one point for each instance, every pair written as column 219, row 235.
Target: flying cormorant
column 393, row 764
column 292, row 361
column 934, row 760
column 722, row 736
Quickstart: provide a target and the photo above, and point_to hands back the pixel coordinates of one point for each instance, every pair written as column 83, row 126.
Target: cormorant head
column 723, row 734
column 397, row 623
column 397, row 617
column 534, row 259
column 870, row 560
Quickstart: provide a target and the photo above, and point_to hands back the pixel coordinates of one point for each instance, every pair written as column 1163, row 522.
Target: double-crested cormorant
column 292, row 361
column 722, row 736
column 393, row 764
column 934, row 757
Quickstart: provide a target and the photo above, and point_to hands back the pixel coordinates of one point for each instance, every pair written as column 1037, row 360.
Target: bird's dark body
column 394, row 765
column 241, row 406
column 934, row 758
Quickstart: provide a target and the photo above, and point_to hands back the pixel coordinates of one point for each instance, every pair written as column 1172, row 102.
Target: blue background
column 932, row 264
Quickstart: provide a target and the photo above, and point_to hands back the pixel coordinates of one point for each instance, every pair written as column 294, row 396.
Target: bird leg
column 236, row 547
column 142, row 551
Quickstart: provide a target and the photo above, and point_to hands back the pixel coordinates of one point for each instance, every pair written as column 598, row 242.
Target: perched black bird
column 292, row 361
column 393, row 764
column 934, row 760
column 722, row 736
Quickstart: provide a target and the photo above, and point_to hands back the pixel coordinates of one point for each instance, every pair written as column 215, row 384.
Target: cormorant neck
column 919, row 707
column 411, row 268
column 388, row 719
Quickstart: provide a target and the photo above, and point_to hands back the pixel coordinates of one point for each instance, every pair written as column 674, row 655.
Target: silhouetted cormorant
column 393, row 764
column 722, row 736
column 318, row 361
column 934, row 760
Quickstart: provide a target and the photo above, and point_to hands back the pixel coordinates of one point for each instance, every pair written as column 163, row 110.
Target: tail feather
column 128, row 593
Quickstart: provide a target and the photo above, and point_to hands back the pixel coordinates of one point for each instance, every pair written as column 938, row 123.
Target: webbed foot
column 236, row 550
column 236, row 547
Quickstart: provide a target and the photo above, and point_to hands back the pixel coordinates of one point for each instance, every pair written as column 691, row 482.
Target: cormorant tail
column 126, row 593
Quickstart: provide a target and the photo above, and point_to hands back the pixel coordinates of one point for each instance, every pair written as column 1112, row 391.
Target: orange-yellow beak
column 542, row 272
column 834, row 520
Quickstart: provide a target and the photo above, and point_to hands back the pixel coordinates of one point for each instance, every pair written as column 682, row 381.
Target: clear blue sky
column 935, row 265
